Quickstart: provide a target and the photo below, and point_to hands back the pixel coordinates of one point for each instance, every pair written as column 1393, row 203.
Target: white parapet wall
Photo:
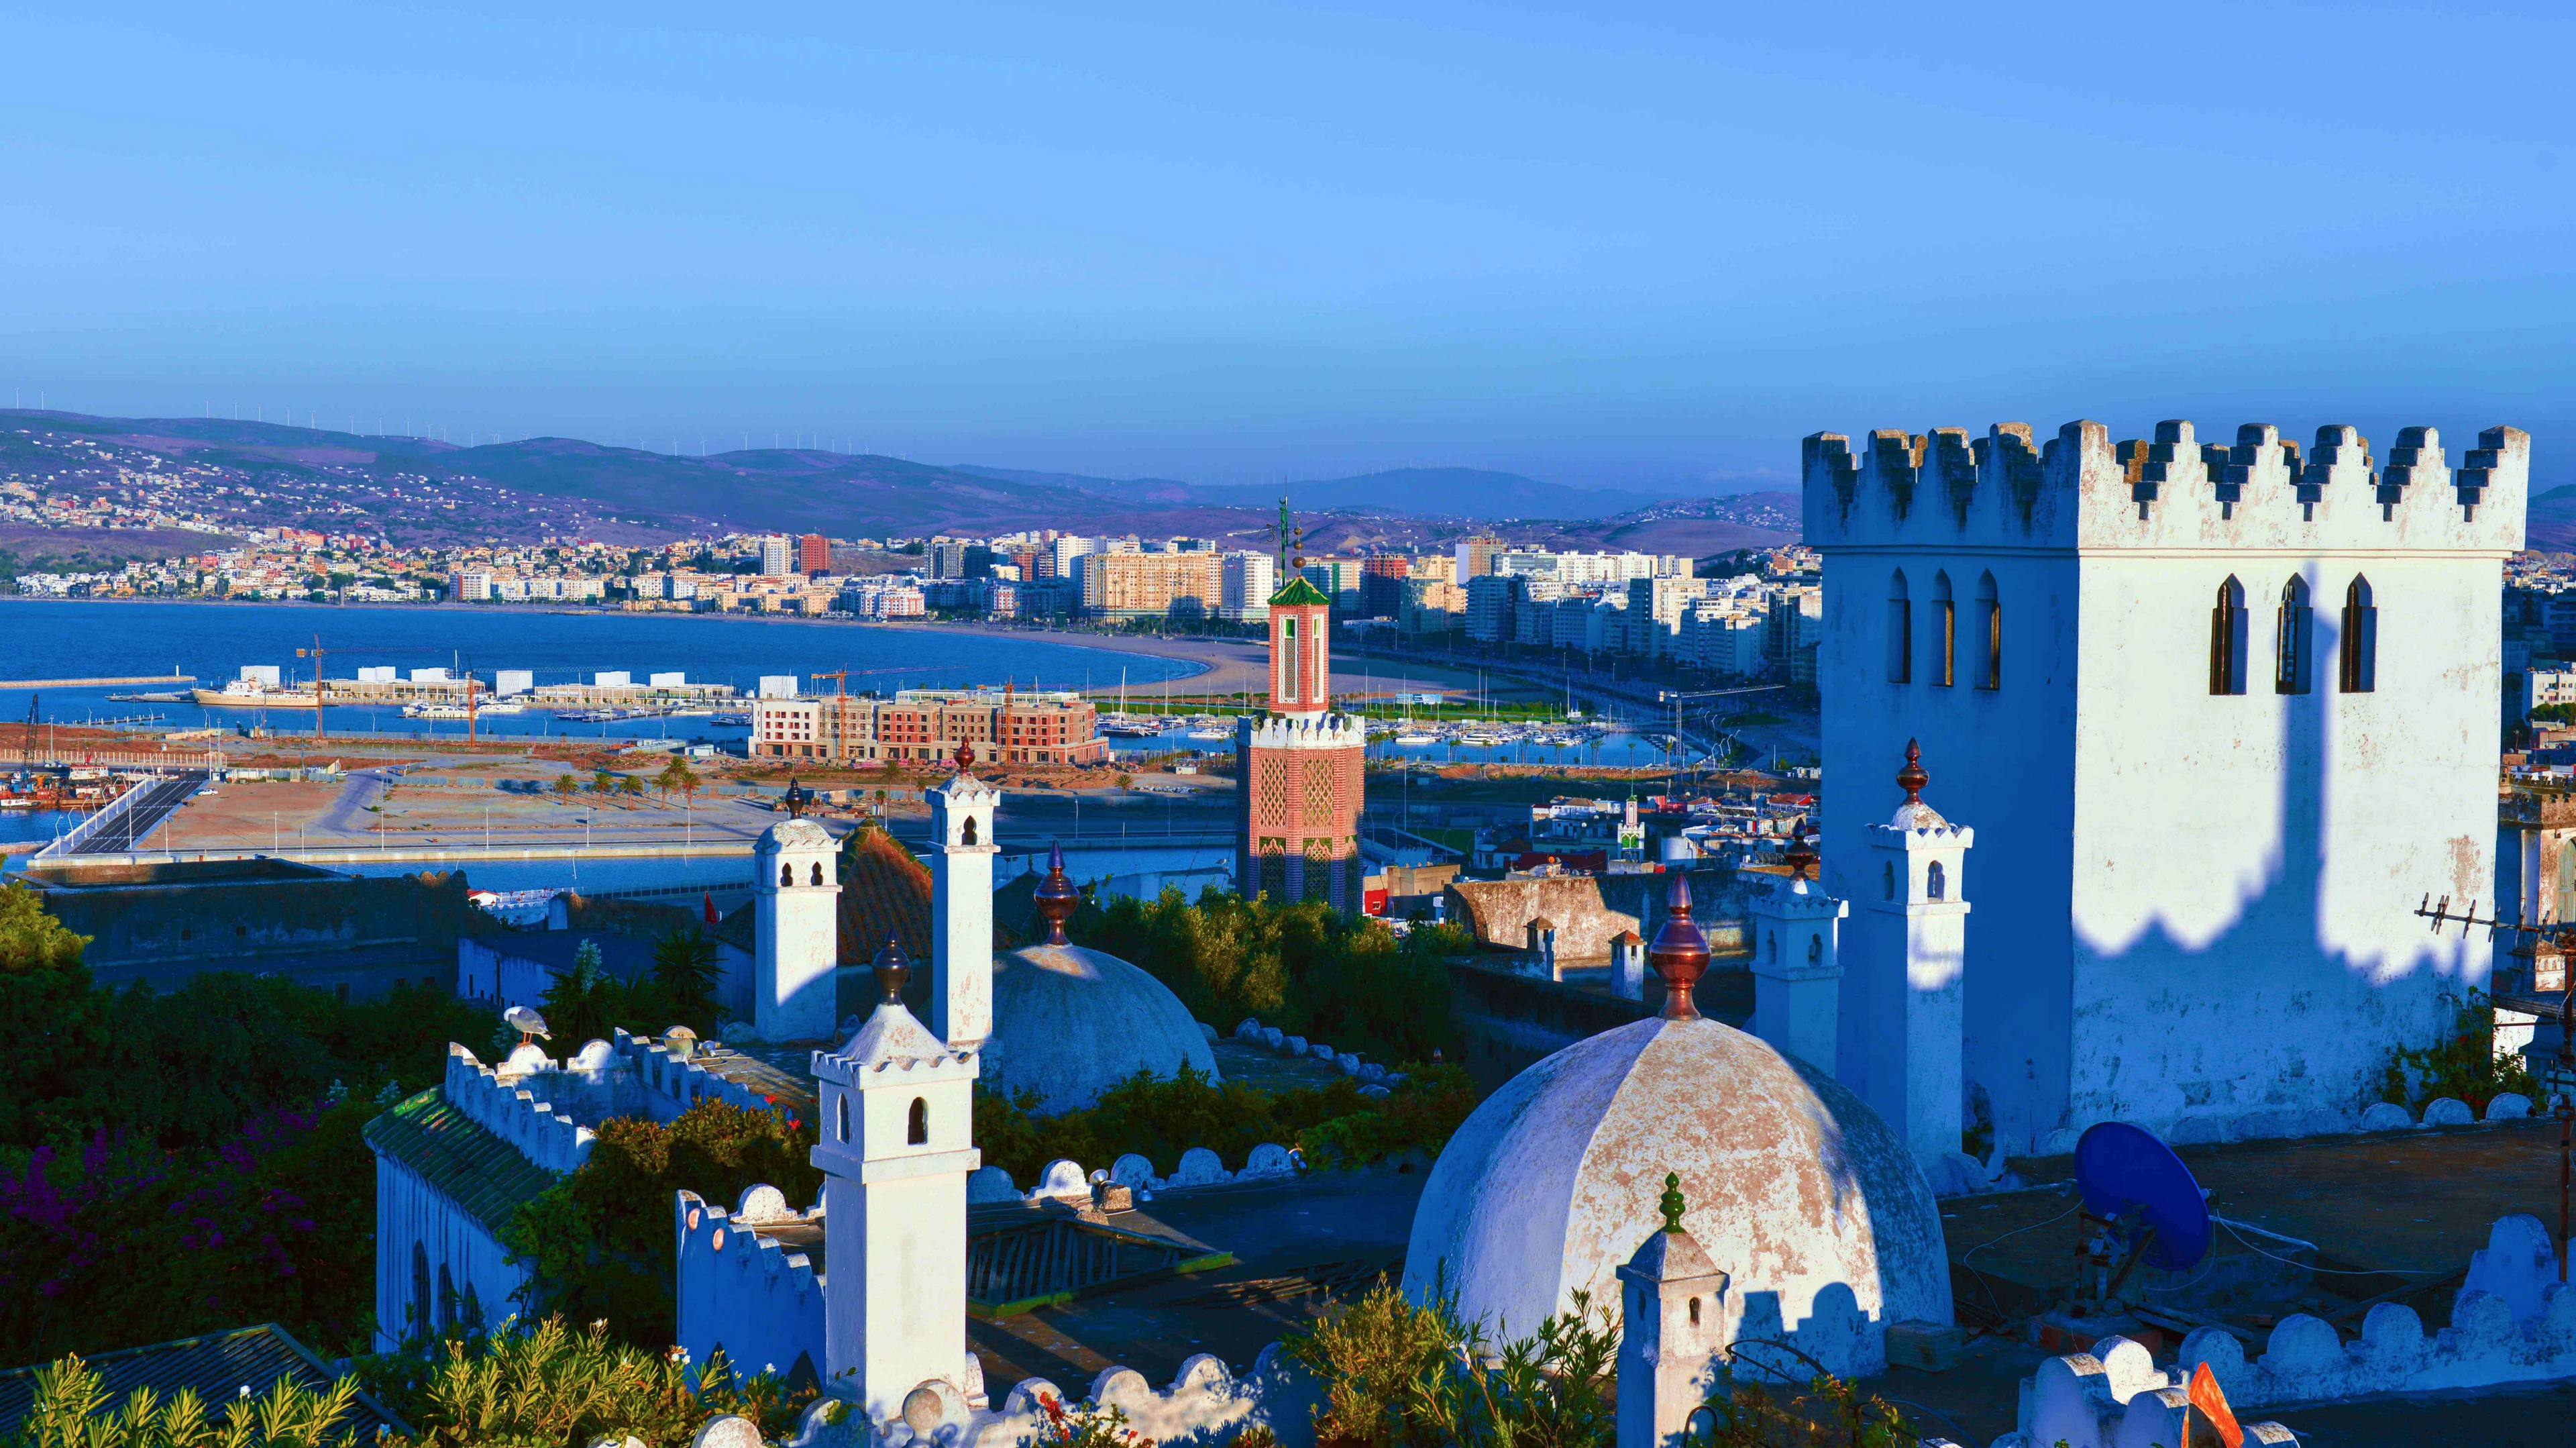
column 1205, row 1404
column 542, row 1135
column 743, row 1292
column 670, row 1085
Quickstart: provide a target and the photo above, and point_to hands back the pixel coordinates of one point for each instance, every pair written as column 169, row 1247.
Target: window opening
column 916, row 1131
column 1900, row 630
column 1945, row 633
column 1990, row 635
column 2291, row 646
column 2359, row 671
column 2227, row 639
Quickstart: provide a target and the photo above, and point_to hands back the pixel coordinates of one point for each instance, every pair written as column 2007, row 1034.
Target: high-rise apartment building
column 1151, row 585
column 777, row 557
column 1248, row 579
column 813, row 554
column 1000, row 725
column 1382, row 578
column 1475, row 556
column 947, row 560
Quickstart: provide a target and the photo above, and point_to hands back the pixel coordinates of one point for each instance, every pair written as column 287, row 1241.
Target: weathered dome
column 1796, row 1188
column 1069, row 1023
column 795, row 834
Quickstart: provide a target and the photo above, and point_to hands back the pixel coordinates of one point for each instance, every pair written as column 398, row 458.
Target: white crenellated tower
column 796, row 892
column 1674, row 1309
column 897, row 1127
column 1913, row 974
column 2239, row 702
column 1797, row 964
column 961, row 910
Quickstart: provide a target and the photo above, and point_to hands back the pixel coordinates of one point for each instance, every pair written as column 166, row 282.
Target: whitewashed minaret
column 897, row 1146
column 796, row 942
column 1797, row 964
column 1919, row 956
column 961, row 907
column 1674, row 1304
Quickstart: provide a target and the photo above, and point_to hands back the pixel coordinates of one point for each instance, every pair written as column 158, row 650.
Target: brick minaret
column 1300, row 776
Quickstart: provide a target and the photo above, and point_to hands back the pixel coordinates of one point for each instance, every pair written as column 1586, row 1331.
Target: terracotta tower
column 1298, row 803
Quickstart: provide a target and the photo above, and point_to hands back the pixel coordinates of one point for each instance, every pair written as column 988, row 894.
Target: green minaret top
column 1671, row 1205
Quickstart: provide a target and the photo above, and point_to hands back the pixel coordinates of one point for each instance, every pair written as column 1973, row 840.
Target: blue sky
column 1236, row 243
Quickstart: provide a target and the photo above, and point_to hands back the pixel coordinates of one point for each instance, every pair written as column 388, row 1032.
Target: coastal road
column 142, row 810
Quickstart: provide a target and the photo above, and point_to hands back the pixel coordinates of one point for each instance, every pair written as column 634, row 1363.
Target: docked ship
column 253, row 694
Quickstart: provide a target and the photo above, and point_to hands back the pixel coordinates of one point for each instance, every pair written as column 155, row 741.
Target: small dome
column 1070, row 1023
column 1796, row 1189
column 798, row 834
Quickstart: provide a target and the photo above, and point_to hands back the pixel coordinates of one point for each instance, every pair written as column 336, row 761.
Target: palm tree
column 567, row 786
column 630, row 786
column 677, row 775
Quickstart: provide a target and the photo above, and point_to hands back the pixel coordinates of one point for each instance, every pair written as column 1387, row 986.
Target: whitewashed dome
column 1797, row 1190
column 1069, row 1023
column 795, row 834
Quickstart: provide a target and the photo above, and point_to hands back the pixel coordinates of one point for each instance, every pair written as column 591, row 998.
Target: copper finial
column 965, row 757
column 892, row 971
column 1680, row 953
column 1056, row 898
column 1800, row 857
column 1911, row 778
column 798, row 799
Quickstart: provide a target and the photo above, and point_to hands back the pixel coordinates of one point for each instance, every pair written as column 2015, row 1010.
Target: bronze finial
column 1680, row 953
column 798, row 799
column 1672, row 1205
column 1911, row 778
column 892, row 971
column 965, row 757
column 1800, row 857
column 1056, row 897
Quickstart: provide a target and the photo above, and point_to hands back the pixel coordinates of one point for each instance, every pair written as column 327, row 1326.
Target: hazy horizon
column 1648, row 251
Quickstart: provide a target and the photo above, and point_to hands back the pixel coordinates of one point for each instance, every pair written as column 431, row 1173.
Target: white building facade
column 2228, row 712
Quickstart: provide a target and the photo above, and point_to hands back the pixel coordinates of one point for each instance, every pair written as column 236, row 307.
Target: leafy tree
column 599, row 1242
column 686, row 969
column 61, row 1024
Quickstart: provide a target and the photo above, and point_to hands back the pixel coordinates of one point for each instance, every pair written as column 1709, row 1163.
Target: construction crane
column 27, row 747
column 1676, row 697
column 840, row 681
column 316, row 653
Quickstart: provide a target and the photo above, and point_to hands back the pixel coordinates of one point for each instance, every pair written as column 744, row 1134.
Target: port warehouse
column 259, row 687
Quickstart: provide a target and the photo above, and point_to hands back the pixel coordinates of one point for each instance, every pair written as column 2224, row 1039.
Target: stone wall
column 1589, row 910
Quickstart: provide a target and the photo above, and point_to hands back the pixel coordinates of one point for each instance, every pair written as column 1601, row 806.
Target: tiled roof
column 1297, row 591
column 218, row 1365
column 887, row 889
column 470, row 1166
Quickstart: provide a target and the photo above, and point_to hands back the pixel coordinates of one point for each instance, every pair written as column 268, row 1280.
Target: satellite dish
column 2133, row 1180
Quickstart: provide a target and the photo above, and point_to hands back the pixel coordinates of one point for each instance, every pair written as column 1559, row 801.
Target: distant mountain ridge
column 422, row 490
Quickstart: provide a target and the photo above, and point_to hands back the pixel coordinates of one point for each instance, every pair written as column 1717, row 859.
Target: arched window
column 446, row 1299
column 1990, row 635
column 1772, row 945
column 2227, row 639
column 1890, row 883
column 1933, row 883
column 419, row 1308
column 2359, row 673
column 2293, row 641
column 1945, row 633
column 916, row 1130
column 841, row 1116
column 816, row 878
column 1289, row 658
column 1815, row 949
column 786, row 874
column 1900, row 630
column 966, row 833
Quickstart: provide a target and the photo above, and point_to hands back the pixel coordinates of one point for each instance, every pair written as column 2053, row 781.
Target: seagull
column 527, row 1022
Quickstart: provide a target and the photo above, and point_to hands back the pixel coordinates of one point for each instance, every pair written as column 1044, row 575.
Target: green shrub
column 1160, row 1118
column 548, row 1384
column 71, row 1410
column 1305, row 968
column 599, row 1241
column 1401, row 1374
column 2463, row 1065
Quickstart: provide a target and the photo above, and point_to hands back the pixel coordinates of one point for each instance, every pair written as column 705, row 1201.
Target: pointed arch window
column 1900, row 630
column 2359, row 671
column 2227, row 639
column 1945, row 633
column 1889, row 884
column 841, row 1115
column 815, row 876
column 1990, row 634
column 420, row 1304
column 1289, row 658
column 1936, row 883
column 786, row 874
column 966, row 835
column 916, row 1128
column 2293, row 641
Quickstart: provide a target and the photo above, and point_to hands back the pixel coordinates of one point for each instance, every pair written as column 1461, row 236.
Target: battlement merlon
column 2079, row 491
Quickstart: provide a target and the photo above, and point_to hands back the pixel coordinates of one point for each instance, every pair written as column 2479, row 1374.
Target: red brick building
column 1002, row 727
column 1301, row 771
column 813, row 554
